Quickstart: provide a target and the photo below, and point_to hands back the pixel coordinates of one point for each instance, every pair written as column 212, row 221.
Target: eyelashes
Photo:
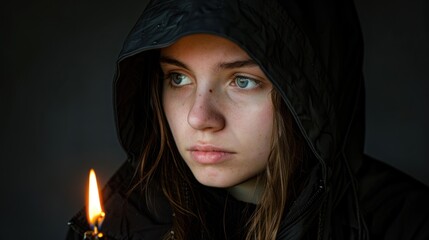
column 244, row 82
column 177, row 80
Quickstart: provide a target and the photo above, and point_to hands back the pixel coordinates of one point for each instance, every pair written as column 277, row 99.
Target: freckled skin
column 213, row 111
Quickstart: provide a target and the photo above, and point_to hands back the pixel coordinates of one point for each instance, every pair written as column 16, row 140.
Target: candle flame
column 95, row 212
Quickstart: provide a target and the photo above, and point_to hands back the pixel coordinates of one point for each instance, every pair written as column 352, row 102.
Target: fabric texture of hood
column 310, row 50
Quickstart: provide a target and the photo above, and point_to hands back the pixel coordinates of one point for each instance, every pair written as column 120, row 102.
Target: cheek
column 169, row 109
column 176, row 115
column 265, row 132
column 263, row 119
column 263, row 140
column 257, row 128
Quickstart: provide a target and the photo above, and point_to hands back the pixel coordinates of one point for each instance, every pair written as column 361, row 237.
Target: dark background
column 57, row 65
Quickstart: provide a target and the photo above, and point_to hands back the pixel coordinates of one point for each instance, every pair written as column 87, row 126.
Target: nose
column 205, row 113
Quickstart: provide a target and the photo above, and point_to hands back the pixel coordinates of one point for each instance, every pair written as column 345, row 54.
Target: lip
column 209, row 154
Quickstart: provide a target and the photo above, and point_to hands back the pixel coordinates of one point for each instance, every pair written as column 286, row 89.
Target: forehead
column 204, row 45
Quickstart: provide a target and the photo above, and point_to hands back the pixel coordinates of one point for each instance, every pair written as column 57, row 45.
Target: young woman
column 245, row 120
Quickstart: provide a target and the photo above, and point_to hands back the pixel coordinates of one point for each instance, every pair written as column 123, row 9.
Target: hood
column 310, row 50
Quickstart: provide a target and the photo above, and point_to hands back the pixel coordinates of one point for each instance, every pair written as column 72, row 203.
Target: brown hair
column 161, row 162
column 286, row 153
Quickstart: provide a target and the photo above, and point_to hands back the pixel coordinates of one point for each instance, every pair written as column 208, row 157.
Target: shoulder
column 128, row 215
column 394, row 205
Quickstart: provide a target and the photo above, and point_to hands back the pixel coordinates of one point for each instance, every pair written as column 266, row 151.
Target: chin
column 217, row 182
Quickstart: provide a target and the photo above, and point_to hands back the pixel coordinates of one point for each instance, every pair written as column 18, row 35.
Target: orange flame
column 95, row 212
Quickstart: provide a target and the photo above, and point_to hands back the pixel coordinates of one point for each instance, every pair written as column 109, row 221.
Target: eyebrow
column 223, row 65
column 172, row 61
column 238, row 64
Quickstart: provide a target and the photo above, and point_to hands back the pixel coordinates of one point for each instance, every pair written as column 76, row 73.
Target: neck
column 249, row 191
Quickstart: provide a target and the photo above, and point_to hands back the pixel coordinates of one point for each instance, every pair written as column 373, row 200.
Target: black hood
column 310, row 50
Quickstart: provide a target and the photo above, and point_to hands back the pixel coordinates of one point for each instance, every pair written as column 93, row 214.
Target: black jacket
column 312, row 53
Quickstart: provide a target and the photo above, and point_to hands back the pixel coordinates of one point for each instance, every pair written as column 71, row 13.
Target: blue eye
column 245, row 82
column 178, row 79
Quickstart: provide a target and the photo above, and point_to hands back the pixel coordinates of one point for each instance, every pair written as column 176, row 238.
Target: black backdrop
column 57, row 65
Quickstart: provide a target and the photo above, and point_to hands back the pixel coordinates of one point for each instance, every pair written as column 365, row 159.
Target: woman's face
column 218, row 105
